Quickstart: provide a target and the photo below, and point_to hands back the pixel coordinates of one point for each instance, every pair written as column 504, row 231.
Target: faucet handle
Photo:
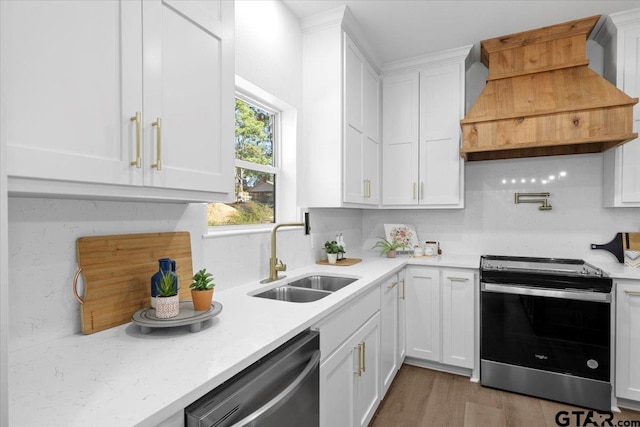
column 280, row 266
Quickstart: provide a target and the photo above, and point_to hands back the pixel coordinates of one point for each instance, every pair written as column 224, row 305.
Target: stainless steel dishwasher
column 279, row 390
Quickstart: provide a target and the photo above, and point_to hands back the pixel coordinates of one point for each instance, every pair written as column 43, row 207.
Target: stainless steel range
column 545, row 329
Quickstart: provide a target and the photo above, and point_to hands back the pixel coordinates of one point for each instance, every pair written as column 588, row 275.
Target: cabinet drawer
column 341, row 325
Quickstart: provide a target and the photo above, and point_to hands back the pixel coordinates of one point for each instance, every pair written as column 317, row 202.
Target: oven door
column 553, row 330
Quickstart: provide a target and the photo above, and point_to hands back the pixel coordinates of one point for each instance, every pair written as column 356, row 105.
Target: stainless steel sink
column 293, row 294
column 324, row 283
column 307, row 289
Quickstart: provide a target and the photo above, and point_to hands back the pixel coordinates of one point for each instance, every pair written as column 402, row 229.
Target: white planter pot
column 167, row 307
column 332, row 258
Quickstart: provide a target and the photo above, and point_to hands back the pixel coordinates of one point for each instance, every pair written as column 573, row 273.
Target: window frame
column 285, row 201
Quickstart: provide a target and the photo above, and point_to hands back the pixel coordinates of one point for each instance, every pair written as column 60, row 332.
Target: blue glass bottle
column 166, row 266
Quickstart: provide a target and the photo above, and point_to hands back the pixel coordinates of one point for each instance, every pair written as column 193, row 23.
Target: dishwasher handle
column 255, row 417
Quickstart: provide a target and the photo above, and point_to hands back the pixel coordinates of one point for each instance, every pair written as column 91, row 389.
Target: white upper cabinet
column 341, row 99
column 400, row 118
column 423, row 102
column 622, row 164
column 95, row 93
column 361, row 128
column 70, row 82
column 440, row 169
column 185, row 86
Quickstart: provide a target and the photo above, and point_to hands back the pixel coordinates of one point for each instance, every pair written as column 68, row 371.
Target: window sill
column 244, row 230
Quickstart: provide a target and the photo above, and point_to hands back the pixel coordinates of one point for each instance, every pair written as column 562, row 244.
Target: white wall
column 492, row 223
column 269, row 48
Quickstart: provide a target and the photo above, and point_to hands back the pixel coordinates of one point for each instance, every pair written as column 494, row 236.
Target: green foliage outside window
column 255, row 190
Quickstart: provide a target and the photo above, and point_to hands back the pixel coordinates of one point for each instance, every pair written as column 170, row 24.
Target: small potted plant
column 167, row 301
column 202, row 290
column 388, row 248
column 333, row 249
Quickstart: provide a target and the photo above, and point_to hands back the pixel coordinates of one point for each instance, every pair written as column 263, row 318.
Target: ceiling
column 400, row 29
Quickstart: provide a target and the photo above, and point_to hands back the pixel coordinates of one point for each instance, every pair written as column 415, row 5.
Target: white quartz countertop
column 120, row 377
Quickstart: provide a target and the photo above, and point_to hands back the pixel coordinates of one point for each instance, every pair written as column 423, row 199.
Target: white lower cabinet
column 458, row 288
column 402, row 317
column 423, row 313
column 389, row 331
column 350, row 367
column 440, row 311
column 628, row 340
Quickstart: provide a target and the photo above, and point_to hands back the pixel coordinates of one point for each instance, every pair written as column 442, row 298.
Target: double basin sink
column 307, row 289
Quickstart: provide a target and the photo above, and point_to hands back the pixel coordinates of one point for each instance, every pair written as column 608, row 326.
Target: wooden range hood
column 542, row 99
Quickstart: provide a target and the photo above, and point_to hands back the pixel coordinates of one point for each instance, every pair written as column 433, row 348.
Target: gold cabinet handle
column 367, row 193
column 635, row 293
column 422, row 191
column 457, row 279
column 368, row 188
column 414, row 190
column 364, row 356
column 359, row 348
column 402, row 289
column 158, row 125
column 138, row 119
column 393, row 285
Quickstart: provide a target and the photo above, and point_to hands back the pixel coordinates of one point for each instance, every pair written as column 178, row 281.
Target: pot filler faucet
column 276, row 265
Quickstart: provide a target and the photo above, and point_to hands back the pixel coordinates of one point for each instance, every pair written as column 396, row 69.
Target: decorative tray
column 147, row 320
column 342, row 262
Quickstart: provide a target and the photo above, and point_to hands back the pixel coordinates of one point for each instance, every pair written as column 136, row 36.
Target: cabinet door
column 440, row 162
column 630, row 169
column 628, row 341
column 371, row 148
column 423, row 313
column 71, row 80
column 367, row 391
column 621, row 170
column 337, row 387
column 188, row 95
column 402, row 322
column 389, row 332
column 354, row 65
column 631, row 86
column 361, row 129
column 354, row 138
column 400, row 139
column 458, row 289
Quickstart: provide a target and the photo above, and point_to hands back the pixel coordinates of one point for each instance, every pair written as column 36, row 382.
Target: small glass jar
column 418, row 251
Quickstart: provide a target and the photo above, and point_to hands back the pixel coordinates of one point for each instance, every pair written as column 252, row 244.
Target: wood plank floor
column 422, row 397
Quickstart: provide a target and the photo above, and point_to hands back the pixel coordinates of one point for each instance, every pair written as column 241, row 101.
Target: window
column 256, row 167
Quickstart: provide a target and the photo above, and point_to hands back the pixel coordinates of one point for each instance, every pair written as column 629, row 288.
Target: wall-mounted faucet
column 276, row 265
column 539, row 198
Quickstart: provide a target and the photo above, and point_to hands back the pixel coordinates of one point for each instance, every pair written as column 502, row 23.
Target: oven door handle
column 545, row 292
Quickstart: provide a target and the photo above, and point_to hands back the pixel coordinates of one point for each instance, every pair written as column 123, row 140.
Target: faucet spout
column 276, row 265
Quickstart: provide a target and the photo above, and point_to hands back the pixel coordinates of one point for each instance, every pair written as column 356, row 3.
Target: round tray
column 147, row 320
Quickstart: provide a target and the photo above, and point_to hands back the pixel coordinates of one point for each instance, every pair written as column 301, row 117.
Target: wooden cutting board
column 117, row 272
column 622, row 242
